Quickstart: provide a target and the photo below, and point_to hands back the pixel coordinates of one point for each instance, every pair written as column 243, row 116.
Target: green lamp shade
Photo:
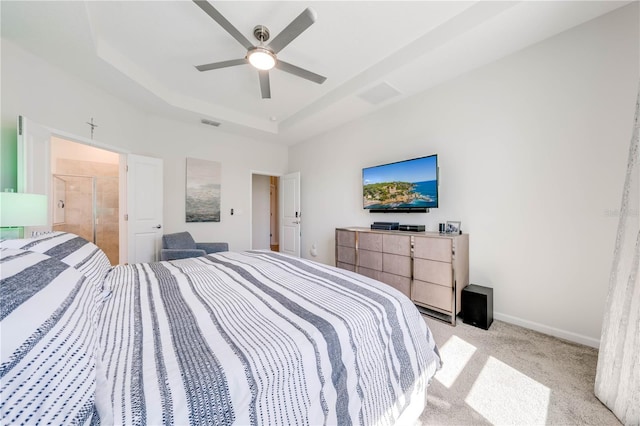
column 20, row 209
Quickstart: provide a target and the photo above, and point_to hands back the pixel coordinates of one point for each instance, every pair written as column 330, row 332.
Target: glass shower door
column 88, row 206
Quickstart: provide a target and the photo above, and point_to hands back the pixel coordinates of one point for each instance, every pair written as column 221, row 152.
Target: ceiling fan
column 263, row 57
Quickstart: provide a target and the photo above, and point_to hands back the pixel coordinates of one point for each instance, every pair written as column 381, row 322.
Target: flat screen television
column 405, row 186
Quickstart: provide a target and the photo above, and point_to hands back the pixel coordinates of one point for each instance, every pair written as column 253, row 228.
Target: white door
column 290, row 214
column 144, row 205
column 34, row 165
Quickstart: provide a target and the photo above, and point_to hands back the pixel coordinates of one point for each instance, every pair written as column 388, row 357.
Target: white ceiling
column 145, row 52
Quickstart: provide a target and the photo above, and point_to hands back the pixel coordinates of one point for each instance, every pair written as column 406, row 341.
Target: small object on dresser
column 453, row 227
column 441, row 228
column 412, row 228
column 477, row 306
column 387, row 226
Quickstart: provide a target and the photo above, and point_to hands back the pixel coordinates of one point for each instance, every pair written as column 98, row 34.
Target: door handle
column 297, row 222
column 158, row 226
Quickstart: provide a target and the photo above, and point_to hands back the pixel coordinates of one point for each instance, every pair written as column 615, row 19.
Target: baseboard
column 552, row 331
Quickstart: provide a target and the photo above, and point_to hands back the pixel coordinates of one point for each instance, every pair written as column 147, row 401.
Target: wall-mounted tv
column 405, row 186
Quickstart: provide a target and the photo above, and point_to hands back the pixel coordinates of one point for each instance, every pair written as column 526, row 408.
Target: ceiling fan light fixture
column 261, row 58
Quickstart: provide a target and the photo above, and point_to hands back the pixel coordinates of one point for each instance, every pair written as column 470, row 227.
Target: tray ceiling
column 373, row 53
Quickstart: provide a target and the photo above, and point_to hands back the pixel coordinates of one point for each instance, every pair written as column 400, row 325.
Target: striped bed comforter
column 258, row 338
column 50, row 298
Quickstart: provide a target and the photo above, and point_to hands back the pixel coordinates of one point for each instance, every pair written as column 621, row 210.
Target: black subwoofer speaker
column 477, row 306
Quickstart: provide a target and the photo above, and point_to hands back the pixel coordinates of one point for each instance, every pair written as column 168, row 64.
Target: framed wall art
column 203, row 191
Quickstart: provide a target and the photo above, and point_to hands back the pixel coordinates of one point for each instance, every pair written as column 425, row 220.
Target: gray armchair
column 181, row 246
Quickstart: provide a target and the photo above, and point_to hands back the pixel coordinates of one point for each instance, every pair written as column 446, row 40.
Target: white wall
column 261, row 206
column 532, row 151
column 238, row 156
column 48, row 96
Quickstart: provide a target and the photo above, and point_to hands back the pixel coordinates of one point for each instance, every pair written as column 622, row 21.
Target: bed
column 230, row 338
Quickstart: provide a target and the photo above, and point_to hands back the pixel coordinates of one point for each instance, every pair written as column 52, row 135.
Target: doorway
column 86, row 192
column 264, row 212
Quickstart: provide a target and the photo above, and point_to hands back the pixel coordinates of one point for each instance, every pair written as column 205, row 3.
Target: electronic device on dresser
column 409, row 186
column 388, row 226
column 412, row 228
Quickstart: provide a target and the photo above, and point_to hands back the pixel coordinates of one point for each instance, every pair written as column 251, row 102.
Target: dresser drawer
column 433, row 248
column 371, row 273
column 370, row 241
column 403, row 284
column 396, row 244
column 432, row 271
column 347, row 266
column 346, row 255
column 346, row 238
column 396, row 264
column 432, row 295
column 370, row 259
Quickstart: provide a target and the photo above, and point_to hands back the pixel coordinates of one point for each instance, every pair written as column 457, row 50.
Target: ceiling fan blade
column 265, row 87
column 293, row 30
column 222, row 21
column 223, row 64
column 300, row 72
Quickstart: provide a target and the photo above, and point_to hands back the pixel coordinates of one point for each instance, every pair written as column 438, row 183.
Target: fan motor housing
column 261, row 33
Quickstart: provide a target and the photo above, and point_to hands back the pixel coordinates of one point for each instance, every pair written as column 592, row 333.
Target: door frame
column 251, row 173
column 122, row 177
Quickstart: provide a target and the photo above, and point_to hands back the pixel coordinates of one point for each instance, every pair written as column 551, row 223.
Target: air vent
column 210, row 122
column 378, row 94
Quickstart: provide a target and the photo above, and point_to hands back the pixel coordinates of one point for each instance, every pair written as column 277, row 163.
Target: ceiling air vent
column 209, row 122
column 378, row 94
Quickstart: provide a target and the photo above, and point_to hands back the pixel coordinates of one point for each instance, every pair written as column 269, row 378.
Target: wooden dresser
column 429, row 268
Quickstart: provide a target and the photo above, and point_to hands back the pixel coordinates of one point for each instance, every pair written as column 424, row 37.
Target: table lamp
column 19, row 209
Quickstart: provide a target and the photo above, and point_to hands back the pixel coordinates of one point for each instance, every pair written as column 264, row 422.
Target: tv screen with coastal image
column 405, row 185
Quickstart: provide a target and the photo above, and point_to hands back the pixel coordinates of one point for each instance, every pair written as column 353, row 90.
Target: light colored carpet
column 509, row 375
